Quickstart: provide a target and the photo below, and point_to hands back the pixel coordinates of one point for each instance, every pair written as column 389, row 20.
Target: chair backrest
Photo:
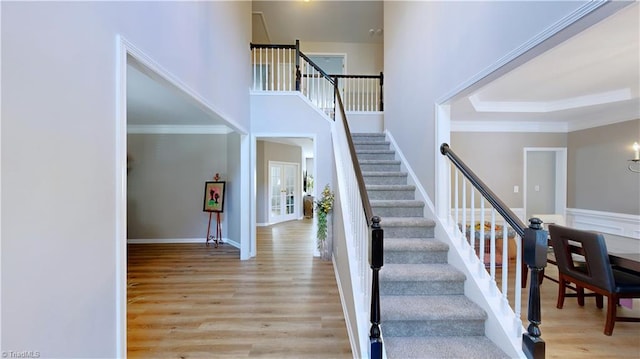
column 596, row 268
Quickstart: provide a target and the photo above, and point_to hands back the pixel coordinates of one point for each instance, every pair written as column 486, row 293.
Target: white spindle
column 492, row 247
column 482, row 236
column 472, row 232
column 463, row 228
column 505, row 258
column 455, row 199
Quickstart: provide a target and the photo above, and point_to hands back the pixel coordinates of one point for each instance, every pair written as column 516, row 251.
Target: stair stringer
column 502, row 326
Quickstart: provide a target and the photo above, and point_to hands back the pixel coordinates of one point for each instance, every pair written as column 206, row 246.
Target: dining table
column 624, row 251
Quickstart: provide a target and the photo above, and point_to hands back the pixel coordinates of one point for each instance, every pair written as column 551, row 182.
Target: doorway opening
column 544, row 180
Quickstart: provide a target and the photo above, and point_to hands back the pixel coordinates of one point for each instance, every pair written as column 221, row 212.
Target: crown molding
column 179, row 129
column 509, row 126
column 551, row 106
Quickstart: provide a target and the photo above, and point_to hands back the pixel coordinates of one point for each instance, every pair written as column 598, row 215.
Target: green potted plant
column 324, row 205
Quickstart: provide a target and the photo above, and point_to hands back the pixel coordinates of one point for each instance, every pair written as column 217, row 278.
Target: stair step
column 359, row 137
column 397, row 208
column 442, row 347
column 410, row 227
column 391, row 192
column 414, row 250
column 379, row 165
column 421, row 279
column 371, row 145
column 382, row 178
column 376, row 154
column 441, row 315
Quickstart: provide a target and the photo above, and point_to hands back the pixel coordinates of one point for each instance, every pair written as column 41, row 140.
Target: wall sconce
column 636, row 159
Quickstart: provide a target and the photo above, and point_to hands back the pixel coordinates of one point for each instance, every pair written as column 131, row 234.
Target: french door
column 283, row 191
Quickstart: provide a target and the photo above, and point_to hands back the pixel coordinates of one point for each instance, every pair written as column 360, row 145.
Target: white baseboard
column 621, row 224
column 178, row 240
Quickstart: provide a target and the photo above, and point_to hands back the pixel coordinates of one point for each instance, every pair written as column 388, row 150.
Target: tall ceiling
column 589, row 80
column 282, row 22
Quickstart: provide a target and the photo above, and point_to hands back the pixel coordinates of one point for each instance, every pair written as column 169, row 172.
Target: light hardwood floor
column 577, row 332
column 193, row 301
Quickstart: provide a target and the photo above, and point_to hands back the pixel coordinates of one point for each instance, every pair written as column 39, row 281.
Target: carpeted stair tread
column 390, row 187
column 384, row 174
column 407, row 222
column 429, row 307
column 421, row 273
column 479, row 347
column 378, row 162
column 414, row 244
column 396, row 203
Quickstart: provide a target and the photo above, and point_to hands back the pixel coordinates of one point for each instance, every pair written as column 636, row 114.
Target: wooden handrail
column 491, row 197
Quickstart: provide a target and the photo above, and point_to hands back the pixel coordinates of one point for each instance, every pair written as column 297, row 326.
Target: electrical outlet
column 516, row 189
column 536, row 188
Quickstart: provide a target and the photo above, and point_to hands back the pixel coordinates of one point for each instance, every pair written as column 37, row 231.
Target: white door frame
column 560, row 205
column 296, row 192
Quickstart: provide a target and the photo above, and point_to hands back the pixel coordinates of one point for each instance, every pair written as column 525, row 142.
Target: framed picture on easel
column 214, row 196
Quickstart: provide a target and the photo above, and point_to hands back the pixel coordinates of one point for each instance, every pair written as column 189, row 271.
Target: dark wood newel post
column 376, row 262
column 298, row 74
column 535, row 256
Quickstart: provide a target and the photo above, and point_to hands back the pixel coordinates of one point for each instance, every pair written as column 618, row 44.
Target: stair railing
column 367, row 232
column 286, row 68
column 361, row 92
column 282, row 68
column 533, row 237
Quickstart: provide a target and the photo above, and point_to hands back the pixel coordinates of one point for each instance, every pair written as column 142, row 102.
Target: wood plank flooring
column 194, row 301
column 577, row 332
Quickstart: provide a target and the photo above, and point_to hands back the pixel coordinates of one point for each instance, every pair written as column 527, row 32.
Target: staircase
column 424, row 311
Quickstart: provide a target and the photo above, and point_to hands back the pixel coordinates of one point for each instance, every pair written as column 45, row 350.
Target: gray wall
column 598, row 176
column 497, row 157
column 165, row 185
column 271, row 151
column 541, row 173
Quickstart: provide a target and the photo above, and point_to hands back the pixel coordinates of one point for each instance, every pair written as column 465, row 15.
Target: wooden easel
column 218, row 238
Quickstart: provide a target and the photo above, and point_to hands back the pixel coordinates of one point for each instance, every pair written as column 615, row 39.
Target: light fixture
column 636, row 159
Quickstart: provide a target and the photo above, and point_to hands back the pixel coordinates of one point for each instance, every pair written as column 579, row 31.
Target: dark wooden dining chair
column 595, row 273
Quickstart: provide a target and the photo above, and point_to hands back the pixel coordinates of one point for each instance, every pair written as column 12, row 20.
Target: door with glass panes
column 283, row 191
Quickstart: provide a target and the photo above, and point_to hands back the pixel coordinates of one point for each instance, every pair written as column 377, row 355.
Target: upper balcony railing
column 286, row 68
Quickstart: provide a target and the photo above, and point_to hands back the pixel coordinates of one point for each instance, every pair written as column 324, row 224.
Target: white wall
column 292, row 115
column 59, row 239
column 433, row 47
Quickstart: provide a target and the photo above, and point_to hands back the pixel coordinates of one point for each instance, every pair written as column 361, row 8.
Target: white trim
column 121, row 196
column 550, row 106
column 180, row 240
column 179, row 129
column 509, row 126
column 621, row 224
